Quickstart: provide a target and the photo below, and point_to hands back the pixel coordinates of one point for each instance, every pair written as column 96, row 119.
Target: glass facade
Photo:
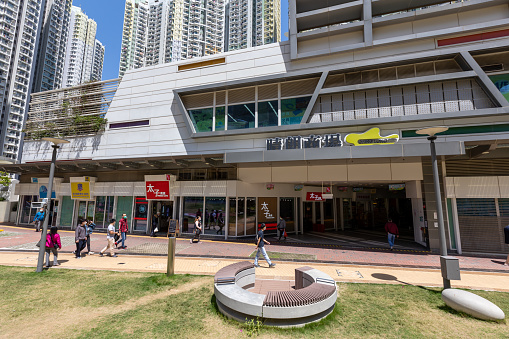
column 287, row 211
column 241, row 116
column 292, row 110
column 232, row 220
column 193, row 207
column 214, row 216
column 220, row 120
column 250, row 216
column 202, row 119
column 268, row 113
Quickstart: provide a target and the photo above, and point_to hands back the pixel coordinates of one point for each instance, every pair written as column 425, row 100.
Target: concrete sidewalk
column 283, row 270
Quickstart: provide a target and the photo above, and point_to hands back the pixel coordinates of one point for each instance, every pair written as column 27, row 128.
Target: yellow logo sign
column 371, row 137
column 80, row 190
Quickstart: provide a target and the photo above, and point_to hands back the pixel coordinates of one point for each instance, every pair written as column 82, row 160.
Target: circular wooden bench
column 313, row 298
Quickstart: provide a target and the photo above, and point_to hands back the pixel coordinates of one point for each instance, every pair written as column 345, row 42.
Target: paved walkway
column 24, row 239
column 282, row 271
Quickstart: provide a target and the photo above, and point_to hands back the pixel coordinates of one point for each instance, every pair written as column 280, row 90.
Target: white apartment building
column 253, row 23
column 98, row 61
column 53, row 44
column 160, row 31
column 79, row 59
column 20, row 29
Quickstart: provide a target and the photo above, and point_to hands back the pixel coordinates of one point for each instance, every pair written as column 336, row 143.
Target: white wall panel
column 123, row 188
column 504, row 186
column 476, row 187
column 215, row 188
column 449, row 187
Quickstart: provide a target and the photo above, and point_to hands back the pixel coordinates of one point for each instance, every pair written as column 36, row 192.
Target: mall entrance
column 358, row 214
column 165, row 207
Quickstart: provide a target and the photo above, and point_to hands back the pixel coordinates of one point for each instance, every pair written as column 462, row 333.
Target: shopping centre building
column 320, row 130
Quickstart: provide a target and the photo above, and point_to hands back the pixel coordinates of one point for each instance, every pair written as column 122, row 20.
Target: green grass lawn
column 62, row 303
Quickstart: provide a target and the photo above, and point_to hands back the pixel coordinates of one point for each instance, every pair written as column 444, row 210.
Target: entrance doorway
column 85, row 210
column 166, row 209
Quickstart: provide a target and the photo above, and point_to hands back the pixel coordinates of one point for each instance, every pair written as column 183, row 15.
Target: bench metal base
column 285, row 323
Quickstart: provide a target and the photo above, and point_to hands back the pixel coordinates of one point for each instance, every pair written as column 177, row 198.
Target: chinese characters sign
column 80, row 190
column 314, row 196
column 298, row 142
column 267, row 210
column 157, row 190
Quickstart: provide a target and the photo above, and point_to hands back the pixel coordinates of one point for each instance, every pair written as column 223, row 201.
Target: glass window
column 287, row 211
column 108, row 210
column 220, row 118
column 124, row 205
column 241, row 116
column 241, row 205
column 292, row 110
column 328, row 213
column 100, row 204
column 232, row 222
column 213, row 218
column 267, row 113
column 25, row 209
column 193, row 207
column 66, row 211
column 250, row 216
column 202, row 119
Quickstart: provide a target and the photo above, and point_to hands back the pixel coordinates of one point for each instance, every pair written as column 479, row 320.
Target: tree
column 5, row 181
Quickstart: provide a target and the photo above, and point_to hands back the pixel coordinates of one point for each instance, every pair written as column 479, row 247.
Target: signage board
column 327, row 195
column 314, row 196
column 80, row 190
column 358, row 189
column 371, row 137
column 157, row 190
column 396, row 187
column 342, row 188
column 267, row 210
column 298, row 188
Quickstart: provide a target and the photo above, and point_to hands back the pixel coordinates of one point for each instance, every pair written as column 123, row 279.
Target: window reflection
column 292, row 110
column 241, row 116
column 267, row 113
column 202, row 119
column 220, row 118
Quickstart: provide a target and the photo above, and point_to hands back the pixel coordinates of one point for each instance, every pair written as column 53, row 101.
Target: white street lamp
column 431, row 132
column 42, row 248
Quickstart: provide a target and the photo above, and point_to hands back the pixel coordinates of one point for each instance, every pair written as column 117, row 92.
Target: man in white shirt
column 110, row 236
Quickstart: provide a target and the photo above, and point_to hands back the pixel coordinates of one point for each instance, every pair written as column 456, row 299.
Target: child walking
column 53, row 244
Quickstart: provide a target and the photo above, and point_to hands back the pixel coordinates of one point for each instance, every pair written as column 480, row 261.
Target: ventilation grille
column 241, row 95
column 493, row 59
column 198, row 100
column 298, row 87
column 220, row 98
column 493, row 68
column 477, row 167
column 267, row 92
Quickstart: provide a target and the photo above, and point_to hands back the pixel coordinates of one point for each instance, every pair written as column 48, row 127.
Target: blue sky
column 109, row 15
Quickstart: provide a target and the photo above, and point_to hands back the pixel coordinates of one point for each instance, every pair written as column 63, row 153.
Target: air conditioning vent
column 493, row 68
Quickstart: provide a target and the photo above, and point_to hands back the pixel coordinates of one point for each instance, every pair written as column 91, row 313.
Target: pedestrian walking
column 506, row 234
column 260, row 244
column 122, row 228
column 281, row 228
column 39, row 219
column 89, row 228
column 392, row 232
column 80, row 236
column 53, row 244
column 197, row 229
column 220, row 222
column 110, row 237
column 155, row 224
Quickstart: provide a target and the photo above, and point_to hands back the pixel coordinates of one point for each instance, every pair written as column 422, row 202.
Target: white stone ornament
column 472, row 304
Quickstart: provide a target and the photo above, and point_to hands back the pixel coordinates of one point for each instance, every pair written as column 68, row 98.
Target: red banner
column 314, row 196
column 157, row 190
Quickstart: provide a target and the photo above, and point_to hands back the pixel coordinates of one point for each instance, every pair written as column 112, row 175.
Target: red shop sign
column 157, row 190
column 314, row 196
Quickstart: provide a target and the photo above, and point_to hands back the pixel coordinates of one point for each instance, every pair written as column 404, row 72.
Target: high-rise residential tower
column 20, row 28
column 52, row 46
column 79, row 59
column 98, row 62
column 160, row 31
column 253, row 23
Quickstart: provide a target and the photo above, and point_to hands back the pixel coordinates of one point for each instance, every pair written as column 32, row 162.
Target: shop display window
column 241, row 116
column 214, row 216
column 202, row 119
column 287, row 211
column 193, row 207
column 241, row 216
column 27, row 213
column 292, row 110
column 232, row 220
column 250, row 216
column 268, row 113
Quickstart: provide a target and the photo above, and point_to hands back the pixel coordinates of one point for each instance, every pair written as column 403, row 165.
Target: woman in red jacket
column 53, row 244
column 122, row 228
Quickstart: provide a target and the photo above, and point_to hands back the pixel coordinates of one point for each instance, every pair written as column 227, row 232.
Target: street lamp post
column 42, row 247
column 444, row 259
